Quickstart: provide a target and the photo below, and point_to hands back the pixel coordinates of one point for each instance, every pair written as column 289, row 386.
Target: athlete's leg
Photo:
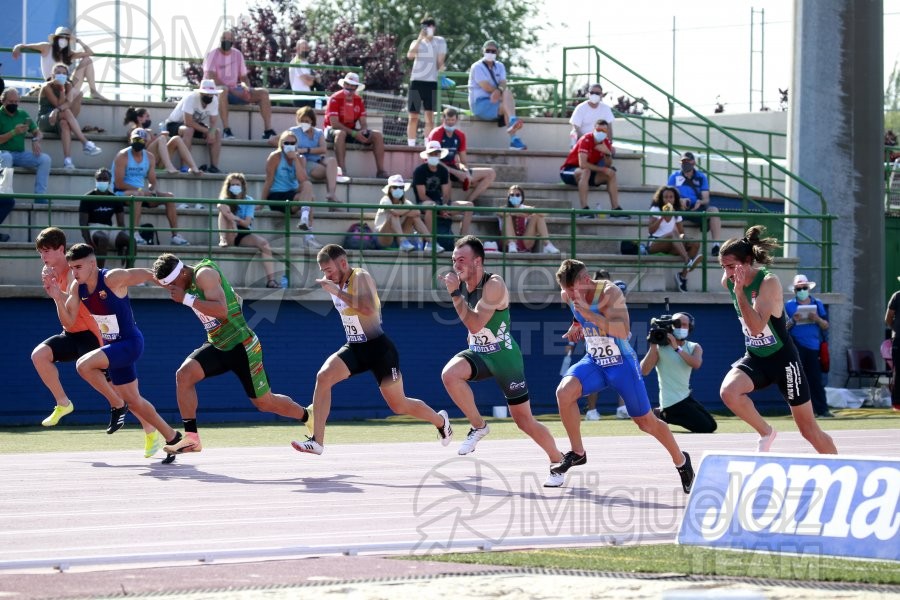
column 91, row 367
column 332, row 372
column 143, row 410
column 567, row 394
column 42, row 357
column 392, row 391
column 456, row 375
column 734, row 390
column 810, row 430
column 524, row 419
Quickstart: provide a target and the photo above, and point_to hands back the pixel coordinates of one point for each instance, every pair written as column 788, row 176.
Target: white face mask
column 449, row 128
column 429, row 31
column 63, row 43
column 594, row 98
column 289, row 148
column 433, row 160
column 236, row 189
column 680, row 334
column 599, row 136
column 490, row 56
column 304, row 127
column 61, row 78
column 515, row 200
column 397, row 193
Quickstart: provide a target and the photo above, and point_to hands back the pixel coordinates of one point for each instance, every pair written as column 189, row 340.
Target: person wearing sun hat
column 345, row 115
column 60, row 48
column 891, row 320
column 196, row 116
column 808, row 327
column 398, row 215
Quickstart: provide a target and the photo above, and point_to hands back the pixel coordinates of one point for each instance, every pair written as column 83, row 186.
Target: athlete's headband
column 168, row 279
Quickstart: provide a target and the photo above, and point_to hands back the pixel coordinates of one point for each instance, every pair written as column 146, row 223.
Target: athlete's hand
column 451, row 280
column 574, row 334
column 175, row 293
column 741, row 276
column 329, row 286
column 581, row 305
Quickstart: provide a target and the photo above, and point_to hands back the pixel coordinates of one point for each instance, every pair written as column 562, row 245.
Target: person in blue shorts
column 601, row 319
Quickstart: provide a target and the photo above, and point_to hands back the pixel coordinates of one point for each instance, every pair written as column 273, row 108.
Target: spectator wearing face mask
column 95, row 217
column 807, row 322
column 589, row 164
column 55, row 114
column 427, row 52
column 196, row 116
column 490, row 97
column 61, row 47
column 675, row 362
column 693, row 186
column 476, row 180
column 301, row 77
column 236, row 223
column 161, row 144
column 590, row 111
column 523, row 232
column 345, row 115
column 398, row 215
column 431, row 184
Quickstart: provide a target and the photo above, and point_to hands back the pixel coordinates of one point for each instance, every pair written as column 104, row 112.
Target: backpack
column 359, row 237
column 149, row 234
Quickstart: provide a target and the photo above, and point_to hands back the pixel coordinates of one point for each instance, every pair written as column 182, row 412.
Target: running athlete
column 771, row 356
column 230, row 345
column 482, row 302
column 73, row 342
column 368, row 348
column 601, row 319
column 105, row 294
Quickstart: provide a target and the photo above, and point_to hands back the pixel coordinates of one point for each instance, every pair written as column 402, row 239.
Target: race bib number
column 109, row 327
column 353, row 329
column 209, row 323
column 765, row 337
column 604, row 350
column 484, row 342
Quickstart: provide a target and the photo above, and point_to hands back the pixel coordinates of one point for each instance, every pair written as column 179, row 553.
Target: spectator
column 346, row 117
column 55, row 115
column 674, row 362
column 666, row 228
column 162, row 145
column 14, row 124
column 431, row 183
column 693, row 186
column 586, row 114
column 522, row 231
column 807, row 321
column 311, row 146
column 490, row 98
column 133, row 175
column 427, row 52
column 196, row 116
column 891, row 320
column 236, row 221
column 302, row 78
column 95, row 217
column 61, row 49
column 398, row 215
column 225, row 66
column 474, row 181
column 590, row 163
column 286, row 181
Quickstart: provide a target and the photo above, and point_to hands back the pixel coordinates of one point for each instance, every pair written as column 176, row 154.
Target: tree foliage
column 892, row 100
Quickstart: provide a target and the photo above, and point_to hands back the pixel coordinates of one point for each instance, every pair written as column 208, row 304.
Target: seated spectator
column 520, row 230
column 162, row 145
column 345, row 115
column 586, row 114
column 55, row 115
column 590, row 163
column 236, row 222
column 95, row 217
column 14, row 124
column 667, row 233
column 431, row 183
column 196, row 116
column 61, row 49
column 133, row 175
column 489, row 96
column 693, row 185
column 311, row 146
column 427, row 52
column 474, row 181
column 398, row 215
column 301, row 77
column 226, row 67
column 286, row 181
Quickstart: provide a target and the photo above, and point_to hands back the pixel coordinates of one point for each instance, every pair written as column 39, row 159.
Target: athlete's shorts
column 69, row 347
column 122, row 356
column 421, row 96
column 626, row 379
column 244, row 360
column 508, row 372
column 378, row 355
column 485, row 109
column 783, row 369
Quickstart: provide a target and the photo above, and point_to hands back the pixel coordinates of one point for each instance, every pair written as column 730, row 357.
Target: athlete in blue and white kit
column 601, row 319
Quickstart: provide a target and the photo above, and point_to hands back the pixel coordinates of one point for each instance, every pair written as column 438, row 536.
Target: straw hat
column 352, row 79
column 802, row 280
column 60, row 32
column 208, row 86
column 434, row 146
column 393, row 181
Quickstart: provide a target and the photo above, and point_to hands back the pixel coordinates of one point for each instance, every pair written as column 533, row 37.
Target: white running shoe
column 468, row 446
column 549, row 248
column 592, row 415
column 512, row 247
column 312, row 243
column 445, row 432
column 555, row 480
column 68, row 164
column 180, row 241
column 437, row 248
column 622, row 413
column 765, row 442
column 310, row 446
column 91, row 149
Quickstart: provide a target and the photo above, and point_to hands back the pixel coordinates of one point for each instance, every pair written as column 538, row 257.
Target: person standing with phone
column 808, row 323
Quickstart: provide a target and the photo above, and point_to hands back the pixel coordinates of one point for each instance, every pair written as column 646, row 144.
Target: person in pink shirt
column 345, row 115
column 225, row 65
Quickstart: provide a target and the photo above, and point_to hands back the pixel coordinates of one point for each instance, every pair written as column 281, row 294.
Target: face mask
column 206, row 98
column 680, row 334
column 63, row 43
column 226, row 45
column 236, row 189
column 304, row 54
column 490, row 56
column 397, row 193
column 146, row 124
column 594, row 98
column 802, row 294
column 289, row 148
column 429, row 31
column 102, row 186
column 599, row 136
column 686, row 167
column 515, row 200
column 449, row 128
column 304, row 127
column 137, row 146
column 433, row 160
column 61, row 79
column 12, row 108
column 349, row 90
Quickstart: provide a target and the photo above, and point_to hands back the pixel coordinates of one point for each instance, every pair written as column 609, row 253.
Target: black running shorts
column 378, row 355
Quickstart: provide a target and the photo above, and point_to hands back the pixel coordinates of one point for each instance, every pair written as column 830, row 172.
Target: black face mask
column 146, row 124
column 226, row 45
column 137, row 146
column 206, row 98
column 304, row 54
column 12, row 108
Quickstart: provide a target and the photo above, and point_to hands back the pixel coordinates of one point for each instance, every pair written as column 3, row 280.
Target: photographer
column 674, row 358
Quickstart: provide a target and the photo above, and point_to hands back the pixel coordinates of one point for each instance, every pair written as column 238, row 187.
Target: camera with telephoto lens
column 660, row 328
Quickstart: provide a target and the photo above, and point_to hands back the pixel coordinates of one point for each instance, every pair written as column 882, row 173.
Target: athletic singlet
column 495, row 335
column 285, row 179
column 84, row 321
column 135, row 172
column 604, row 350
column 227, row 333
column 113, row 314
column 771, row 339
column 357, row 326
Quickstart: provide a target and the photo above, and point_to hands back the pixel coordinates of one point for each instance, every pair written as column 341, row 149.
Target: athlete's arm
column 769, row 302
column 119, row 280
column 214, row 304
column 575, row 332
column 612, row 316
column 363, row 298
column 67, row 302
column 495, row 297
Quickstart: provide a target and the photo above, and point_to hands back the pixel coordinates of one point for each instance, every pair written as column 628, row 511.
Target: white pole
column 24, row 33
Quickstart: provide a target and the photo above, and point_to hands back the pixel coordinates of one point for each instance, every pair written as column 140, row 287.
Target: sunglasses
column 397, row 187
column 797, row 289
column 515, row 195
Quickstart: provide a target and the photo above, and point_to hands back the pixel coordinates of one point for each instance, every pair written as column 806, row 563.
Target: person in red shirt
column 475, row 181
column 589, row 164
column 346, row 117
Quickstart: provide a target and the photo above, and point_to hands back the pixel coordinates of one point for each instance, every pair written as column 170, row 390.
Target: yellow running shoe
column 310, row 419
column 58, row 413
column 152, row 443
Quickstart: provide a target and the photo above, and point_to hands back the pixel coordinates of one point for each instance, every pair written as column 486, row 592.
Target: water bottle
column 284, row 282
column 319, row 103
column 573, row 138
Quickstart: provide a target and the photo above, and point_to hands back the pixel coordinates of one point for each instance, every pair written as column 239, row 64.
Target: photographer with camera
column 675, row 358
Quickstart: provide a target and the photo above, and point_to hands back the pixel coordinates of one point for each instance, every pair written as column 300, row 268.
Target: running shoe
column 152, row 444
column 618, row 213
column 437, row 248
column 549, row 248
column 693, row 263
column 406, row 246
column 555, row 479
column 310, row 419
column 227, row 134
column 622, row 412
column 681, row 282
column 445, row 432
column 91, row 149
column 310, row 446
column 190, row 442
column 512, row 248
column 268, row 133
column 177, row 240
column 475, row 435
column 715, row 250
column 765, row 441
column 58, row 413
column 570, row 459
column 516, row 143
column 686, row 472
column 116, row 419
column 592, row 415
